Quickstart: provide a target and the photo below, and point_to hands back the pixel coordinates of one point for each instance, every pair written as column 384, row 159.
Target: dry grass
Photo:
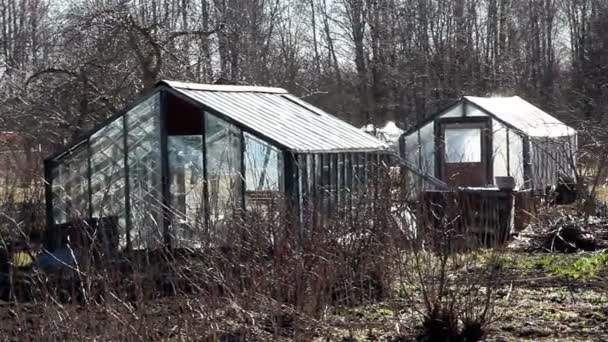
column 361, row 275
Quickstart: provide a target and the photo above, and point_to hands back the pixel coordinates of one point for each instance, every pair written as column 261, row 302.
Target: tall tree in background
column 67, row 66
column 588, row 23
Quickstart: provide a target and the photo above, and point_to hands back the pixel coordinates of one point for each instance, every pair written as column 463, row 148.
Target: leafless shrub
column 446, row 275
column 272, row 274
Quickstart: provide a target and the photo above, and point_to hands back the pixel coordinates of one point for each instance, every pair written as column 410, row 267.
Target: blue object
column 57, row 259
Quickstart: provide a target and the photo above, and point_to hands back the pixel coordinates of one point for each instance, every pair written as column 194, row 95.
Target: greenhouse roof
column 280, row 116
column 523, row 115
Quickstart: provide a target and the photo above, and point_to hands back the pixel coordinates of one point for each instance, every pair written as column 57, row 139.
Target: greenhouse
column 187, row 157
column 477, row 139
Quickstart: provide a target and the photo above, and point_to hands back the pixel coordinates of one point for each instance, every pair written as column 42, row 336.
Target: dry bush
column 271, row 274
column 261, row 275
column 447, row 276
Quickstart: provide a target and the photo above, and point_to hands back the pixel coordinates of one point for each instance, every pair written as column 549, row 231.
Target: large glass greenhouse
column 189, row 156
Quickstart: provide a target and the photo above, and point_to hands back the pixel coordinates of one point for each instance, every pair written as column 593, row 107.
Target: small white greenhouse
column 477, row 139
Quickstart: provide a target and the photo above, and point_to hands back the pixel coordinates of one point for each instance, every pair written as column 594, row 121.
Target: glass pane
column 60, row 209
column 325, row 182
column 358, row 174
column 71, row 187
column 144, row 159
column 108, row 179
column 333, row 176
column 341, row 185
column 263, row 172
column 325, row 174
column 348, row 177
column 223, row 143
column 186, row 188
column 463, row 145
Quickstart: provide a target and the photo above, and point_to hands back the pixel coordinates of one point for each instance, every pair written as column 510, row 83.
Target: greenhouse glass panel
column 263, row 172
column 187, row 186
column 144, row 165
column 60, row 204
column 223, row 143
column 348, row 180
column 359, row 164
column 71, row 187
column 108, row 178
column 463, row 145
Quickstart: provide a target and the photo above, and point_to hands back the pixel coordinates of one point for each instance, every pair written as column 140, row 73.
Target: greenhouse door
column 186, row 174
column 186, row 152
column 463, row 160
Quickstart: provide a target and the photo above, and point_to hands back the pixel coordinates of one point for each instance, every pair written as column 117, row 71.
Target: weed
column 573, row 267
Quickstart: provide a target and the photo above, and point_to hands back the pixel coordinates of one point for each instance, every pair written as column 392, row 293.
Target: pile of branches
column 564, row 233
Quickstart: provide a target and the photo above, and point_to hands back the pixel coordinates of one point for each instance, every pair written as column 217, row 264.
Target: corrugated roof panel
column 224, row 87
column 523, row 115
column 283, row 118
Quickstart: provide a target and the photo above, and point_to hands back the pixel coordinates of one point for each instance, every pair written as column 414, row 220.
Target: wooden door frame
column 485, row 122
